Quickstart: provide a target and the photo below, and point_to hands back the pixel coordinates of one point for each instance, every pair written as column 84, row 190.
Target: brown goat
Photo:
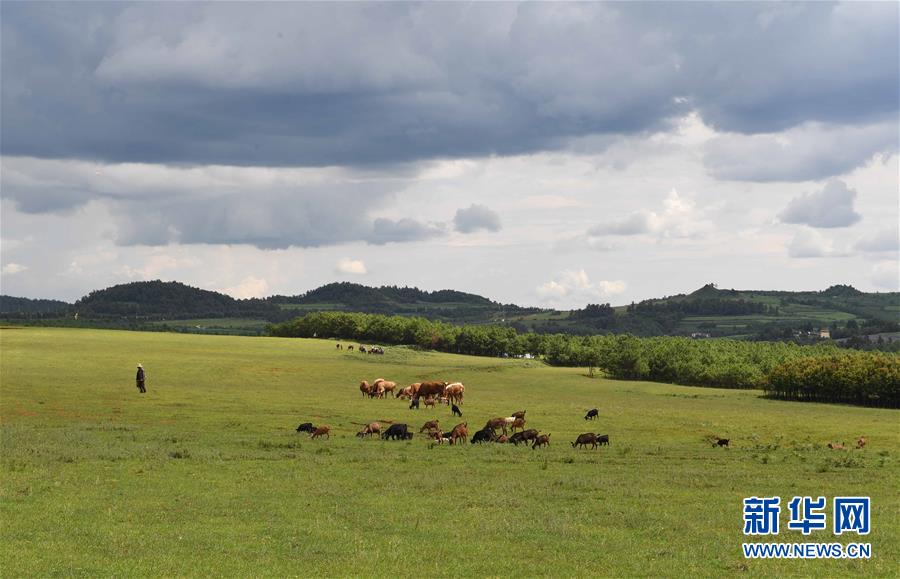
column 541, row 440
column 519, row 414
column 430, row 426
column 459, row 432
column 861, row 442
column 370, row 429
column 322, row 431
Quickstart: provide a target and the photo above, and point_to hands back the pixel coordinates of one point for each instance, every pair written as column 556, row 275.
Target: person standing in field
column 140, row 379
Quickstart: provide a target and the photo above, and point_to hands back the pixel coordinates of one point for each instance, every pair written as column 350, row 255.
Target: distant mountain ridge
column 708, row 311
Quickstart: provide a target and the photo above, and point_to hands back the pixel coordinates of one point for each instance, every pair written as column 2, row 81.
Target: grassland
column 205, row 475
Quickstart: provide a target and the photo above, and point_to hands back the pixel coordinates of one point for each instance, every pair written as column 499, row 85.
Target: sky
column 544, row 154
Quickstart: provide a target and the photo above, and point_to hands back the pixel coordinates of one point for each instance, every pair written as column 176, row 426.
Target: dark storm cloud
column 303, row 84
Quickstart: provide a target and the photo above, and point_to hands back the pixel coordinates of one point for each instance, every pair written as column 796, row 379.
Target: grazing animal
column 407, row 436
column 441, row 437
column 405, row 393
column 370, row 429
column 414, row 403
column 338, row 346
column 837, row 446
column 518, row 423
column 431, row 425
column 322, row 431
column 524, row 437
column 603, row 439
column 427, row 389
column 429, row 402
column 459, row 432
column 396, row 432
column 455, row 392
column 365, row 388
column 362, row 349
column 455, row 411
column 592, row 414
column 502, row 439
column 377, row 391
column 519, row 414
column 484, row 435
column 349, row 348
column 444, row 400
column 495, row 423
column 861, row 442
column 585, row 439
column 721, row 442
column 306, row 427
column 542, row 440
column 388, row 386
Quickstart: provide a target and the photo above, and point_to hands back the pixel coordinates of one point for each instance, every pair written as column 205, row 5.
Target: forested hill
column 448, row 305
column 10, row 304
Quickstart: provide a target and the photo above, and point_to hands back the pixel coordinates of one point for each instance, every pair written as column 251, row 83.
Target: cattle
column 349, row 348
column 484, row 435
column 338, row 346
column 362, row 349
column 306, row 427
column 585, row 439
column 455, row 411
column 377, row 390
column 396, row 432
column 519, row 414
column 430, row 426
column 502, row 439
column 387, row 385
column 837, row 446
column 592, row 414
column 365, row 388
column 542, row 440
column 861, row 442
column 444, row 400
column 459, row 432
column 414, row 403
column 322, row 431
column 525, row 436
column 429, row 402
column 455, row 392
column 518, row 423
column 370, row 429
column 405, row 393
column 721, row 442
column 603, row 439
column 426, row 389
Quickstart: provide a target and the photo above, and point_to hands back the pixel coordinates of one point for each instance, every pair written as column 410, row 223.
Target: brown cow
column 370, row 429
column 542, row 440
column 365, row 388
column 430, row 425
column 427, row 389
column 405, row 393
column 861, row 442
column 322, row 431
column 519, row 414
column 585, row 439
column 459, row 432
column 388, row 386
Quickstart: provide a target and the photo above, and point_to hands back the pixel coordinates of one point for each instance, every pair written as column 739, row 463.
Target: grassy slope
column 92, row 482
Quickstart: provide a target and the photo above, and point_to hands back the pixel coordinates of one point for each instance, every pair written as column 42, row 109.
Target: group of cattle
column 429, row 393
column 363, row 349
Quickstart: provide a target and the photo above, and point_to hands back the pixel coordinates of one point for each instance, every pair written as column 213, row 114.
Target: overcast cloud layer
column 544, row 153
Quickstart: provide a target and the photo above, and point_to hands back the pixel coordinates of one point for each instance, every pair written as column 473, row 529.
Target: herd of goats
column 509, row 429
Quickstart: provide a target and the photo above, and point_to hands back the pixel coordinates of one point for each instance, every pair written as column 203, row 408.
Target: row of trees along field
column 785, row 370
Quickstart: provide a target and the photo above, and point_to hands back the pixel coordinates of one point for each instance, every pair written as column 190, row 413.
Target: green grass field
column 204, row 475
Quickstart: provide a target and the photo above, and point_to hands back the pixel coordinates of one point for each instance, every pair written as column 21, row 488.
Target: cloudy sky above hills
column 543, row 154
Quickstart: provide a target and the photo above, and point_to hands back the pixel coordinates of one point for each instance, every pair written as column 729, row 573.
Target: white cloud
column 883, row 240
column 811, row 243
column 351, row 266
column 249, row 287
column 886, row 275
column 573, row 286
column 476, row 218
column 13, row 268
column 679, row 218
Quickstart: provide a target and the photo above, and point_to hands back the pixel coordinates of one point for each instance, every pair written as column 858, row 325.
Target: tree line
column 679, row 360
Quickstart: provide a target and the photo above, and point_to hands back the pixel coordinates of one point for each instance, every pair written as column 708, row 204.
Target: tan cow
column 365, row 388
column 388, row 386
column 454, row 392
column 370, row 429
column 405, row 393
column 427, row 389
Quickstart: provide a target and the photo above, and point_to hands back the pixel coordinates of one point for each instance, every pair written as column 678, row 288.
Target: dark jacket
column 140, row 375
